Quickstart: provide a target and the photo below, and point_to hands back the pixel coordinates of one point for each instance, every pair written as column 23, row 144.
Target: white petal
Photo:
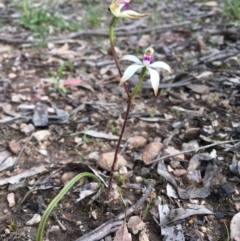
column 160, row 64
column 154, row 77
column 129, row 72
column 131, row 58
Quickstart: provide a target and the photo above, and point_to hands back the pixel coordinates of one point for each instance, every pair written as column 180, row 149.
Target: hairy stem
column 111, row 37
column 118, row 146
column 130, row 96
column 129, row 101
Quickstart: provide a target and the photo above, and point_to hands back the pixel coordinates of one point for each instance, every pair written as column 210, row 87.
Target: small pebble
column 202, row 229
column 42, row 135
column 67, row 176
column 135, row 224
column 34, row 220
column 94, row 215
column 143, row 236
column 11, row 199
column 136, row 141
column 123, row 170
column 151, row 151
column 138, row 179
column 5, row 211
column 54, row 229
column 106, row 160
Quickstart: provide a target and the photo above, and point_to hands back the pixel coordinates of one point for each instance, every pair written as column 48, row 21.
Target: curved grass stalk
column 228, row 234
column 59, row 197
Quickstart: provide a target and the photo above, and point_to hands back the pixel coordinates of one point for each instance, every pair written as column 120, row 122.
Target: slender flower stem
column 111, row 37
column 118, row 146
column 129, row 101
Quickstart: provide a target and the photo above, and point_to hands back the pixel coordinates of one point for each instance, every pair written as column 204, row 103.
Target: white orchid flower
column 147, row 57
column 116, row 7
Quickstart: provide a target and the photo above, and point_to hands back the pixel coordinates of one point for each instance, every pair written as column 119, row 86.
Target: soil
column 199, row 41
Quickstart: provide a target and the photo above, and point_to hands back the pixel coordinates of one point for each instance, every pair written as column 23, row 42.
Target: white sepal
column 154, row 77
column 129, row 72
column 160, row 64
column 132, row 58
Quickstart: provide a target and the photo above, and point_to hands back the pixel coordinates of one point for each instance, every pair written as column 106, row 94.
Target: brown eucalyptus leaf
column 122, row 234
column 200, row 89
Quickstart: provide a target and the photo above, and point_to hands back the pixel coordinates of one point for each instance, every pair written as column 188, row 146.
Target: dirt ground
column 197, row 105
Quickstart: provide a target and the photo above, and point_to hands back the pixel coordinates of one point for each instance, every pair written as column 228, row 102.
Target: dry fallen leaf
column 200, row 89
column 28, row 173
column 122, row 234
column 72, row 82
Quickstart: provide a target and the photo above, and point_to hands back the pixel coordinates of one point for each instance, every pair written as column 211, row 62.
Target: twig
column 42, row 206
column 19, row 155
column 150, row 184
column 103, row 33
column 195, row 149
column 216, row 56
column 102, row 231
column 123, row 148
column 228, row 71
column 113, row 224
column 94, row 197
column 175, row 131
column 33, row 188
column 167, row 140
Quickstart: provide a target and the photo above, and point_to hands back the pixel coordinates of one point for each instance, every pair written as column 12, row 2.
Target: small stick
column 33, row 189
column 113, row 224
column 19, row 155
column 42, row 206
column 167, row 140
column 91, row 33
column 195, row 149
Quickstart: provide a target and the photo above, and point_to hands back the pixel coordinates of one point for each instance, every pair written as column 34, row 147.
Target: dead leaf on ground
column 98, row 134
column 170, row 232
column 28, row 173
column 14, row 146
column 122, row 234
column 200, row 89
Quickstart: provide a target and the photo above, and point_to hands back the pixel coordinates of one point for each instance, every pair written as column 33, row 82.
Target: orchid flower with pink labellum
column 138, row 64
column 116, row 7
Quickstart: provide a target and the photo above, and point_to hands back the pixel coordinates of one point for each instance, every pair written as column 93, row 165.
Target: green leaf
column 59, row 197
